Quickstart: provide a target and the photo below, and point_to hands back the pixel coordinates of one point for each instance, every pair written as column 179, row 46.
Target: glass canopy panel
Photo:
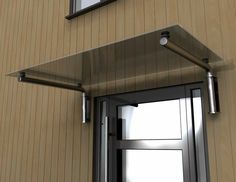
column 121, row 60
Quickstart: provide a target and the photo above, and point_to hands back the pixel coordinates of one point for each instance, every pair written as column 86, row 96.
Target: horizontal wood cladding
column 41, row 135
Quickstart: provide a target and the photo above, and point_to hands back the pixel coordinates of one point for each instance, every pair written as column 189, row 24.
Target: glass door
column 152, row 141
column 148, row 136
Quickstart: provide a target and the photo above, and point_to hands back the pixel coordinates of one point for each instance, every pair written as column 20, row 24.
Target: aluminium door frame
column 200, row 141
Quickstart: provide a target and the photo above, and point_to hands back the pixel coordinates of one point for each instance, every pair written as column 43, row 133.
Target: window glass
column 155, row 120
column 87, row 3
column 82, row 4
column 152, row 166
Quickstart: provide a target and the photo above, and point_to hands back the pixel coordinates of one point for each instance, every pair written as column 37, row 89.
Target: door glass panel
column 152, row 166
column 155, row 120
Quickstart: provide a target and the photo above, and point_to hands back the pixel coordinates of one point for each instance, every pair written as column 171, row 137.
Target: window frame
column 200, row 160
column 73, row 13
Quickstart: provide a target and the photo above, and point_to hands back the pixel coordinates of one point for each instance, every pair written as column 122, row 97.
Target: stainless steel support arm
column 164, row 41
column 212, row 86
column 22, row 78
column 85, row 99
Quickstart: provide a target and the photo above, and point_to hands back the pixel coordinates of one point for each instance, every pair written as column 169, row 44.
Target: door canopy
column 82, row 70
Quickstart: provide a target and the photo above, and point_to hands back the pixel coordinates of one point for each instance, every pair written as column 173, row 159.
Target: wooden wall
column 41, row 136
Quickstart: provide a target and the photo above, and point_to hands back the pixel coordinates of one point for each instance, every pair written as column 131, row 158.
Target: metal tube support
column 85, row 108
column 213, row 96
column 22, row 78
column 85, row 99
column 212, row 85
column 164, row 41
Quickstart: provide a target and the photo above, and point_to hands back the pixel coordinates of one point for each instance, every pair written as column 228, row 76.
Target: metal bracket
column 85, row 108
column 212, row 85
column 213, row 94
column 85, row 98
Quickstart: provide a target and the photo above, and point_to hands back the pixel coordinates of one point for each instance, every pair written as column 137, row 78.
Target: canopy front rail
column 88, row 68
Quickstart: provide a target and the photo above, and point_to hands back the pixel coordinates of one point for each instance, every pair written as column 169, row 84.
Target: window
column 79, row 7
column 151, row 117
column 152, row 165
column 155, row 135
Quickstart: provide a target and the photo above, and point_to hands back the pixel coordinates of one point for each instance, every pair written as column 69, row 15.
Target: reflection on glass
column 152, row 166
column 197, row 103
column 82, row 4
column 156, row 120
column 199, row 135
